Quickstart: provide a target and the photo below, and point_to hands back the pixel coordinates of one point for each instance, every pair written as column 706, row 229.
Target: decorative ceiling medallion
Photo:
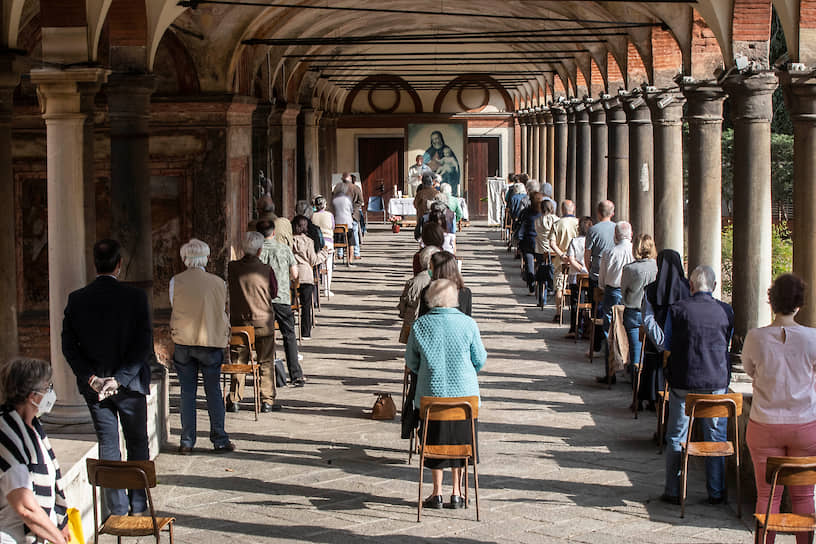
column 468, row 96
column 379, row 91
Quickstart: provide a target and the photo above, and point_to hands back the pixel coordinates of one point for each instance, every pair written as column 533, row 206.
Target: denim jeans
column 355, row 231
column 612, row 297
column 632, row 319
column 714, row 430
column 188, row 361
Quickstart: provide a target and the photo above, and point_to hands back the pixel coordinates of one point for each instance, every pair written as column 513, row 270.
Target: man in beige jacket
column 200, row 329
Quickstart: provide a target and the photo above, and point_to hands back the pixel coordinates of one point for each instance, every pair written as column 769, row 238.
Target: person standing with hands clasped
column 107, row 339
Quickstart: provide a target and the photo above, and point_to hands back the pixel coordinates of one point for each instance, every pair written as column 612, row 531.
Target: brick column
column 600, row 150
column 618, row 156
column 641, row 196
column 560, row 153
column 571, row 153
column 751, row 111
column 704, row 117
column 583, row 161
column 60, row 93
column 800, row 95
column 667, row 112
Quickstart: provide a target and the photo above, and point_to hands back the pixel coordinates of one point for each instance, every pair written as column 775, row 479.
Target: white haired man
column 561, row 234
column 697, row 333
column 253, row 286
column 200, row 330
column 609, row 275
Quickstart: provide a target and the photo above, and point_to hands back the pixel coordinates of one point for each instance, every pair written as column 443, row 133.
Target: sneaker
column 298, row 383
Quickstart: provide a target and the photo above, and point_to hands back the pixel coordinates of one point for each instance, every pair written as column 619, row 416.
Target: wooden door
column 483, row 162
column 381, row 165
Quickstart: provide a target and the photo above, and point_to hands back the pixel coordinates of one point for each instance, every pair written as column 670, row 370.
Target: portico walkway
column 563, row 460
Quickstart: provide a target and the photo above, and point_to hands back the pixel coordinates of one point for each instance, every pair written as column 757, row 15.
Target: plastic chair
column 341, row 232
column 786, row 471
column 376, row 205
column 126, row 475
column 449, row 409
column 244, row 338
column 707, row 406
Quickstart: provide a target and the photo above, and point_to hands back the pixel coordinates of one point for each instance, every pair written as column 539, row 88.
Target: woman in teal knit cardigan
column 445, row 351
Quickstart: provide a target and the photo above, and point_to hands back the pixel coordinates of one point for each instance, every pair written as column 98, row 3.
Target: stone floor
column 562, row 458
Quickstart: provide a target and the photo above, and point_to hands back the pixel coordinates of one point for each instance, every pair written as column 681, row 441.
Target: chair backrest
column 713, row 405
column 375, row 204
column 242, row 336
column 448, row 408
column 791, row 470
column 340, row 228
column 121, row 474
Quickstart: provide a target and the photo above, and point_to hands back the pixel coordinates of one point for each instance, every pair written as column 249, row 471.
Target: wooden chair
column 597, row 297
column 341, row 232
column 565, row 292
column 244, row 338
column 638, row 370
column 126, row 475
column 294, row 298
column 449, row 409
column 786, row 471
column 663, row 407
column 316, row 292
column 506, row 226
column 707, row 406
column 413, row 441
column 584, row 306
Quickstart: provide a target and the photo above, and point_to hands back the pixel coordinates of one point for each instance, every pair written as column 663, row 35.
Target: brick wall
column 613, row 74
column 636, row 70
column 752, row 20
column 667, row 59
column 560, row 90
column 597, row 79
column 705, row 49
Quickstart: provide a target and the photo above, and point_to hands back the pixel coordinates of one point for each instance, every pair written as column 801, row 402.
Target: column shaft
column 667, row 111
column 571, row 154
column 548, row 117
column 311, row 151
column 560, row 154
column 583, row 161
column 618, row 157
column 641, row 156
column 541, row 173
column 289, row 162
column 704, row 117
column 800, row 95
column 752, row 111
column 600, row 149
column 523, row 143
column 535, row 147
column 530, row 145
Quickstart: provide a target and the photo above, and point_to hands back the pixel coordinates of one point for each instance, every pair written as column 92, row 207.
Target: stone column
column 288, row 120
column 9, row 342
column 751, row 112
column 667, row 112
column 522, row 120
column 560, row 153
column 260, row 147
column 583, row 161
column 129, row 112
column 800, row 96
column 60, row 92
column 311, row 151
column 535, row 130
column 704, row 117
column 641, row 157
column 530, row 120
column 550, row 173
column 600, row 149
column 541, row 121
column 571, row 153
column 618, row 157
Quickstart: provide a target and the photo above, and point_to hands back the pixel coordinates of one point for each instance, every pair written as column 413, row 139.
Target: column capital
column 559, row 114
column 752, row 96
column 312, row 116
column 581, row 113
column 705, row 101
column 284, row 116
column 60, row 91
column 637, row 110
column 541, row 118
column 666, row 107
column 613, row 106
column 800, row 95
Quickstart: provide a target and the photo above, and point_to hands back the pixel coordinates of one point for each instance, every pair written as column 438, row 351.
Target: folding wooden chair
column 506, row 226
column 663, row 406
column 638, row 370
column 565, row 291
column 413, row 440
column 244, row 338
column 341, row 232
column 708, row 406
column 449, row 409
column 786, row 471
column 584, row 306
column 126, row 475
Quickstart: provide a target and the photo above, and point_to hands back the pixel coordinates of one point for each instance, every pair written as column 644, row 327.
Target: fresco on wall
column 441, row 147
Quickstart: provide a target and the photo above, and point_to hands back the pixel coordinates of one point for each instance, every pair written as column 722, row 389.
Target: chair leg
column 591, row 338
column 171, row 532
column 757, row 531
column 683, row 477
column 419, row 488
column 466, row 481
column 256, row 389
column 476, row 487
column 635, row 388
column 739, row 485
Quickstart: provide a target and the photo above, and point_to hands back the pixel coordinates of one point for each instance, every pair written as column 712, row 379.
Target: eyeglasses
column 46, row 390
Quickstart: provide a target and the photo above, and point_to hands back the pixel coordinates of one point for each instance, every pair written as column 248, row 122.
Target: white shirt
column 782, row 362
column 612, row 262
column 343, row 208
column 576, row 250
column 449, row 244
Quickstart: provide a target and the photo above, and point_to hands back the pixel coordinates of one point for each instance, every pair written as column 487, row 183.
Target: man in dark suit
column 107, row 338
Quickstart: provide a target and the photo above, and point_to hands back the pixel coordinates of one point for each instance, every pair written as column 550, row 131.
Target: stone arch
column 482, row 79
column 174, row 67
column 393, row 81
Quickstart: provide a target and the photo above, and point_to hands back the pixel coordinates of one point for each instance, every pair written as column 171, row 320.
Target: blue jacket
column 445, row 351
column 697, row 332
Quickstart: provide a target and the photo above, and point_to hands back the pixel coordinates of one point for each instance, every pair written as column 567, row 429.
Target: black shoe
column 185, row 450
column 605, row 379
column 298, row 383
column 434, row 501
column 670, row 499
column 232, row 407
column 266, row 408
column 229, row 447
column 456, row 502
column 716, row 500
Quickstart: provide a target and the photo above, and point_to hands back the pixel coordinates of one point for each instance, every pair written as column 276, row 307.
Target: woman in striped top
column 32, row 504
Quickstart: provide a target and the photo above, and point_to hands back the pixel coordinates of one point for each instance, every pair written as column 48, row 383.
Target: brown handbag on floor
column 384, row 407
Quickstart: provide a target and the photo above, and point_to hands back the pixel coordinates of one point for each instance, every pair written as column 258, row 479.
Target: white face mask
column 47, row 401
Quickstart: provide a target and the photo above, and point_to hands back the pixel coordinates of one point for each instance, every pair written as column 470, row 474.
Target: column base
column 68, row 414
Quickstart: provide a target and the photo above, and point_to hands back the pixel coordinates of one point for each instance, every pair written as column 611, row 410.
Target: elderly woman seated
column 32, row 504
column 445, row 351
column 412, row 292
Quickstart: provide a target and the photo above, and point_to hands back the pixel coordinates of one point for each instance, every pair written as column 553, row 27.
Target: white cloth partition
column 401, row 206
column 496, row 188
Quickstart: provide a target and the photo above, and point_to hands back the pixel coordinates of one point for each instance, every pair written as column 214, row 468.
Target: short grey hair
column 623, row 231
column 519, row 188
column 438, row 204
column 21, row 376
column 195, row 253
column 425, row 256
column 532, row 186
column 547, row 189
column 442, row 293
column 252, row 242
column 304, row 208
column 703, row 278
column 446, row 188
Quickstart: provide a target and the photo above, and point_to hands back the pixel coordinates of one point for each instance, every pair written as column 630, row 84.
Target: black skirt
column 449, row 432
